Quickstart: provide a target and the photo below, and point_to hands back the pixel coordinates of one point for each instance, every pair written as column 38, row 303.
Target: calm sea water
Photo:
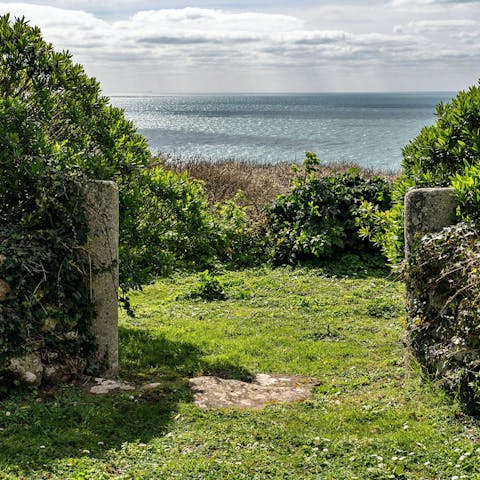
column 367, row 129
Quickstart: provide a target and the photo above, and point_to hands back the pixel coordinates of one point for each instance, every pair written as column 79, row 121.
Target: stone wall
column 35, row 366
column 443, row 294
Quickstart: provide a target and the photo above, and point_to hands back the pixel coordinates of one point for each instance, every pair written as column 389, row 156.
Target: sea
column 366, row 129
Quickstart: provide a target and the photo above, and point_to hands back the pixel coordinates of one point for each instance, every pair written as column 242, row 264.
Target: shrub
column 443, row 308
column 173, row 228
column 239, row 240
column 53, row 116
column 178, row 229
column 208, row 288
column 320, row 217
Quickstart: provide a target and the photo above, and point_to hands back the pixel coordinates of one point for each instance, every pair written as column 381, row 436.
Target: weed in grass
column 381, row 309
column 208, row 288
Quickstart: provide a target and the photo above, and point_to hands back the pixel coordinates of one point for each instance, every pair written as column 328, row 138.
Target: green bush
column 53, row 116
column 443, row 306
column 208, row 288
column 441, row 155
column 321, row 217
column 173, row 228
column 179, row 230
column 239, row 241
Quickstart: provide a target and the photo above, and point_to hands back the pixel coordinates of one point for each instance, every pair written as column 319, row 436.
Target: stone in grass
column 214, row 392
column 106, row 386
column 148, row 387
column 28, row 368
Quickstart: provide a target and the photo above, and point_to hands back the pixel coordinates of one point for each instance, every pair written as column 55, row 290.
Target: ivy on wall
column 443, row 303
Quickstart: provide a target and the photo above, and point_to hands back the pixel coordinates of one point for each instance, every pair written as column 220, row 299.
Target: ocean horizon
column 368, row 129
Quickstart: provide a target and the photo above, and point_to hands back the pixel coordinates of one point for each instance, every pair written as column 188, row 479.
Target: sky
column 207, row 46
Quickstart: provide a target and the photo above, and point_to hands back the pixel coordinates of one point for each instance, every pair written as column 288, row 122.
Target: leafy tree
column 54, row 117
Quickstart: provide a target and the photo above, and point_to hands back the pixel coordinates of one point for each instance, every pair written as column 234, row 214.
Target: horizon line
column 163, row 94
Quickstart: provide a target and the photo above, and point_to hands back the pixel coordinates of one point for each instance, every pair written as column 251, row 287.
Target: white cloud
column 160, row 49
column 201, row 19
column 429, row 26
column 426, row 3
column 199, row 32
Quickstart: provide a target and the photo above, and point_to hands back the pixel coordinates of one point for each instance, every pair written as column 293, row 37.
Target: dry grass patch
column 260, row 183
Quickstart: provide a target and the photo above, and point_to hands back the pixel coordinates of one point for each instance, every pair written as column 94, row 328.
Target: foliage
column 239, row 240
column 178, row 229
column 174, row 226
column 55, row 117
column 384, row 228
column 320, row 217
column 442, row 154
column 207, row 288
column 467, row 188
column 48, row 310
column 443, row 309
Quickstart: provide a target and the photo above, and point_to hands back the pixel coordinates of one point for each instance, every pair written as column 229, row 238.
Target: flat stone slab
column 214, row 392
column 103, row 386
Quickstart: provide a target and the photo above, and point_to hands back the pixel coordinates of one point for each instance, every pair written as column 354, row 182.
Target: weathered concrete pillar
column 428, row 210
column 102, row 245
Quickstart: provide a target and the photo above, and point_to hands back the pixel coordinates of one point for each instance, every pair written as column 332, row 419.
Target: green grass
column 372, row 417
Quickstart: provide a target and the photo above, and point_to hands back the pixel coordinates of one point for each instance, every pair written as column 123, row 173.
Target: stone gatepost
column 428, row 210
column 102, row 206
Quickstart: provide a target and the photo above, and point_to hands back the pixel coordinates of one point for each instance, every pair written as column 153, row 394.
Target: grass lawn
column 372, row 417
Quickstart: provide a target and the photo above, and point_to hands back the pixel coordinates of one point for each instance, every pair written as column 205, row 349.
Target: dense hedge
column 443, row 307
column 45, row 312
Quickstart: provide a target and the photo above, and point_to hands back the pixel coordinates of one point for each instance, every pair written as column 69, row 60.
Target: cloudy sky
column 168, row 46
